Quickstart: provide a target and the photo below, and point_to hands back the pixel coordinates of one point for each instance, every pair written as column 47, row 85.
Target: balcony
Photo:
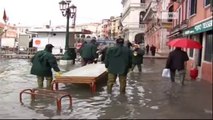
column 139, row 6
column 151, row 10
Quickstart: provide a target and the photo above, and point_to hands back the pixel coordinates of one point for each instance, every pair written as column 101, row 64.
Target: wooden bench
column 88, row 74
column 58, row 95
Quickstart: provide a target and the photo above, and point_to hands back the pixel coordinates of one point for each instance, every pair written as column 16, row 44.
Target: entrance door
column 199, row 57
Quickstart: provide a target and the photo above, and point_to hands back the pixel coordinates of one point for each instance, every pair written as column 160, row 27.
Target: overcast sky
column 40, row 12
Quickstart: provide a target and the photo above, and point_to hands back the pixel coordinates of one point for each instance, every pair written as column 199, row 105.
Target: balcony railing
column 134, row 26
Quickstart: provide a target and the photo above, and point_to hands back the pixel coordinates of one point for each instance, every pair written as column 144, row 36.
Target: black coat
column 176, row 60
column 137, row 56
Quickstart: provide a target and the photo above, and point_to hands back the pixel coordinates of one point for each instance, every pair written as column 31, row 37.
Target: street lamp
column 68, row 12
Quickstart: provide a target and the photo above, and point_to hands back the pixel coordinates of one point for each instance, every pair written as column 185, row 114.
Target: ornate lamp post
column 68, row 12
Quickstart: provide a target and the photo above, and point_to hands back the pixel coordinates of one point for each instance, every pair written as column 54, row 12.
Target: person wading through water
column 42, row 63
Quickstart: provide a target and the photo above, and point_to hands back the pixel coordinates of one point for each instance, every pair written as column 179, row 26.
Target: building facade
column 157, row 24
column 8, row 35
column 116, row 28
column 93, row 27
column 195, row 22
column 55, row 36
column 133, row 29
column 105, row 30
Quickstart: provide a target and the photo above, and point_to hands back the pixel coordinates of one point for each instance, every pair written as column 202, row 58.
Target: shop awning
column 199, row 28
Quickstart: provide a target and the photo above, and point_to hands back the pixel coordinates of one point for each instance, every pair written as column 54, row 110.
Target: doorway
column 199, row 57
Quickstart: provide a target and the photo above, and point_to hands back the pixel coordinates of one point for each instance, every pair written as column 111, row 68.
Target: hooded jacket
column 118, row 59
column 42, row 62
column 88, row 51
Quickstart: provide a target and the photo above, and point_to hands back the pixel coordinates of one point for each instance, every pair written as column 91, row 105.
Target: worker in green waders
column 42, row 63
column 118, row 62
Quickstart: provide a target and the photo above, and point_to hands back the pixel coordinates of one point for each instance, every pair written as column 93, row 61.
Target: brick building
column 195, row 22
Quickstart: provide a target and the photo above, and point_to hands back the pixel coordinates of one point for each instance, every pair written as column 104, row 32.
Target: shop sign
column 202, row 27
column 167, row 25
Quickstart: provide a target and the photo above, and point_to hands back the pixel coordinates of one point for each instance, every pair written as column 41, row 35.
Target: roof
column 59, row 30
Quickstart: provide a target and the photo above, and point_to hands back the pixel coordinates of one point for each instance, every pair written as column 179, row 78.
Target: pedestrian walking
column 42, row 63
column 88, row 52
column 147, row 49
column 153, row 50
column 118, row 61
column 177, row 61
column 137, row 57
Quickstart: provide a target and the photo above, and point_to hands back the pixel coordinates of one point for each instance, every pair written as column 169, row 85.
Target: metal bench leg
column 58, row 104
column 70, row 100
column 52, row 85
column 59, row 101
column 56, row 86
column 20, row 95
column 33, row 95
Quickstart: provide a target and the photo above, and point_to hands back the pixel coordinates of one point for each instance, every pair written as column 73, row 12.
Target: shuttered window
column 193, row 7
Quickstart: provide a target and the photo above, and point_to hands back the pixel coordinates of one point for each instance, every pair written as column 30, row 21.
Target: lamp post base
column 65, row 62
column 69, row 57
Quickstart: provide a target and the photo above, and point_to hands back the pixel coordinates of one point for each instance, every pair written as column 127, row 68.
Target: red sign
column 37, row 42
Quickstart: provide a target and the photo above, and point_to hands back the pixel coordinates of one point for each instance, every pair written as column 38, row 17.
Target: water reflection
column 15, row 77
column 146, row 96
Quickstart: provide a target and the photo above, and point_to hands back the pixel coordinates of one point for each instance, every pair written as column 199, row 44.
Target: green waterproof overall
column 40, row 80
column 111, row 82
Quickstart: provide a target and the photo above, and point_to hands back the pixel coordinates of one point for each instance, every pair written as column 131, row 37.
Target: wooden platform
column 88, row 74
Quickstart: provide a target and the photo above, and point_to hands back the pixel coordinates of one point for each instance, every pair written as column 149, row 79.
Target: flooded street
column 148, row 95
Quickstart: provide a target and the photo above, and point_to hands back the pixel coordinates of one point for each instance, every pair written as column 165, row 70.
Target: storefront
column 202, row 58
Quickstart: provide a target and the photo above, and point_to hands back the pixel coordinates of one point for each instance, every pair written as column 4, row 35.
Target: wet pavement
column 148, row 96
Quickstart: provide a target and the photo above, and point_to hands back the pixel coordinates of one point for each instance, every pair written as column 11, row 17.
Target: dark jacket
column 153, row 48
column 42, row 62
column 88, row 51
column 118, row 59
column 176, row 59
column 137, row 56
column 103, row 53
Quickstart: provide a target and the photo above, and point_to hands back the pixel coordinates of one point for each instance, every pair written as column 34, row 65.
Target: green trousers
column 111, row 82
column 40, row 80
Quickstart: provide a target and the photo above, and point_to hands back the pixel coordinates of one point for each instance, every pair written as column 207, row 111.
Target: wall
column 10, row 42
column 58, row 41
column 207, row 71
column 202, row 13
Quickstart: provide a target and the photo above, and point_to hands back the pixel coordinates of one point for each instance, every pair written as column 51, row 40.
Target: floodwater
column 147, row 96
